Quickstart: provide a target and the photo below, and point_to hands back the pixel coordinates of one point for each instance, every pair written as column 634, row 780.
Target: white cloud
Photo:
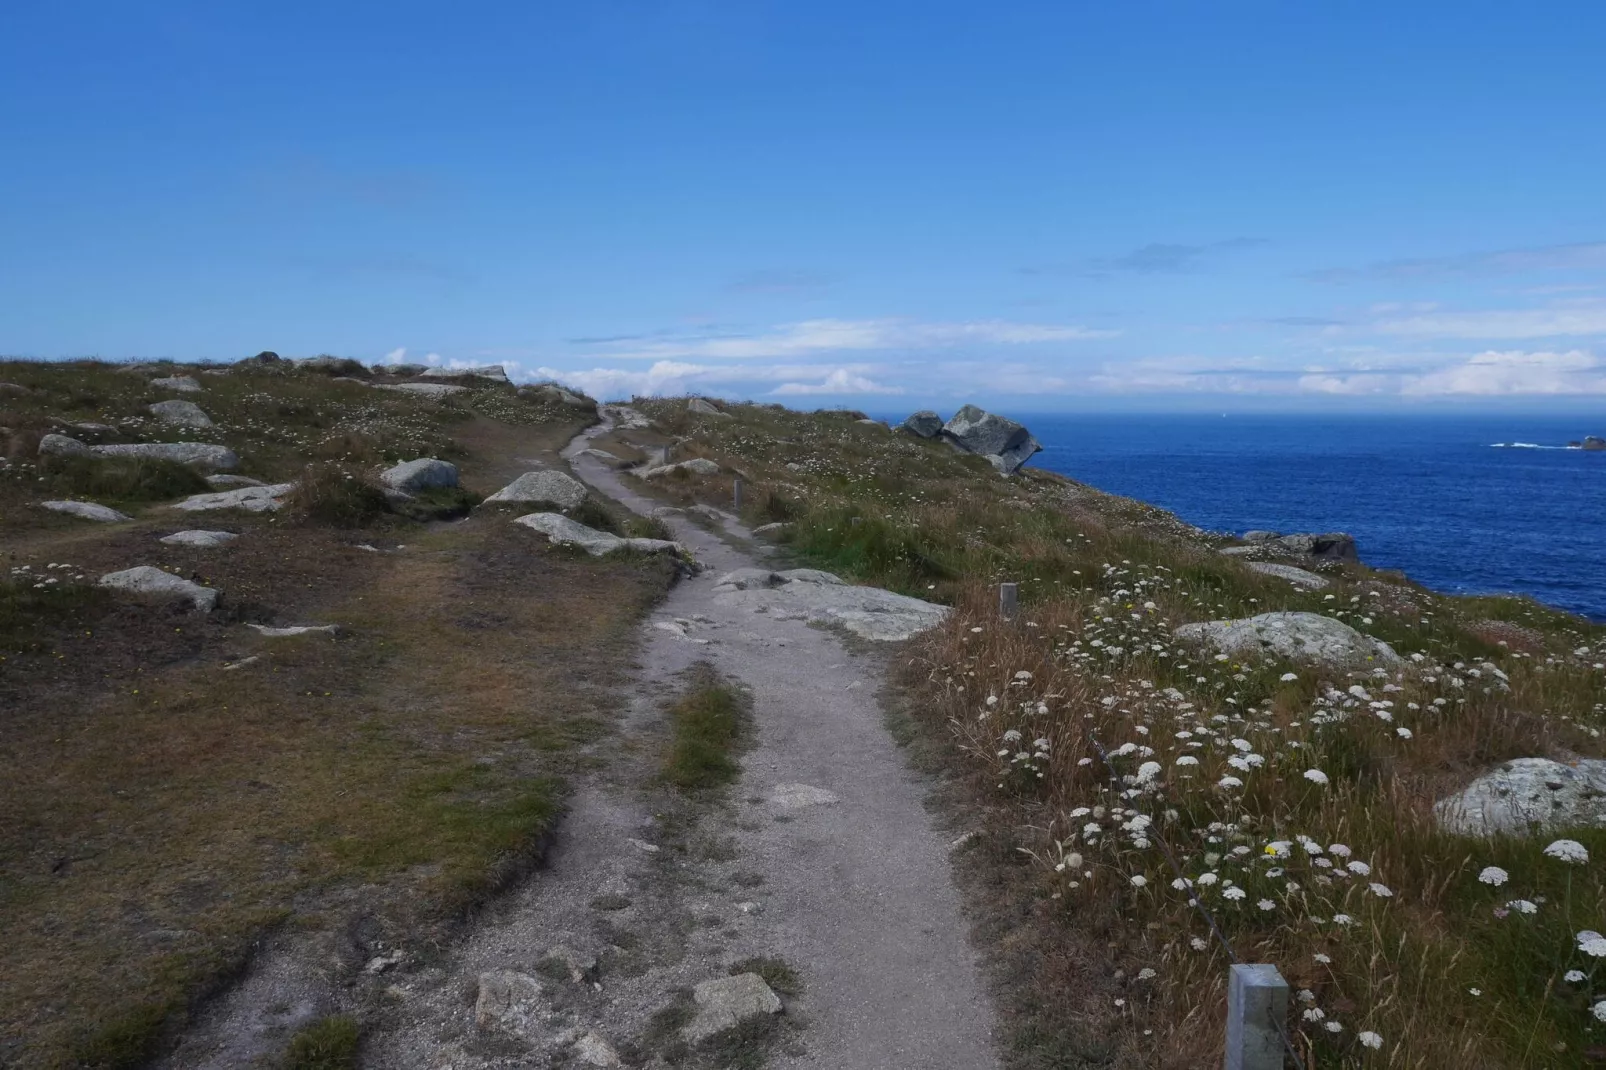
column 396, row 356
column 1350, row 385
column 833, row 335
column 1582, row 317
column 840, row 381
column 1495, row 373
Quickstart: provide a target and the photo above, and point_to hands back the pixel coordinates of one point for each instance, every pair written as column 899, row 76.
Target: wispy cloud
column 1156, row 258
column 1580, row 317
column 779, row 283
column 1574, row 256
column 1515, row 372
column 833, row 335
column 838, row 382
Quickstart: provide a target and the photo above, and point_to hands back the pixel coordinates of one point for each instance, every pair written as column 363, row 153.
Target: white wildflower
column 1570, row 851
column 1493, row 875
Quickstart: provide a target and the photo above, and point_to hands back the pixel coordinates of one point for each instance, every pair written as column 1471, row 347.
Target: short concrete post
column 1008, row 599
column 1257, row 1006
column 736, row 494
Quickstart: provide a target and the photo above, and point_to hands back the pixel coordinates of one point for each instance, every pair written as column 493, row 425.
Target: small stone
column 62, row 446
column 578, row 964
column 967, row 838
column 182, row 383
column 800, row 796
column 750, row 907
column 595, row 1051
column 294, row 630
column 201, row 539
column 421, row 474
column 242, row 663
column 506, row 998
column 87, row 510
column 381, row 963
column 186, row 413
column 643, row 845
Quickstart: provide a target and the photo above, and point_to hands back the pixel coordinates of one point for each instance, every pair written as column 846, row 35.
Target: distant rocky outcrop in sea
column 1590, row 442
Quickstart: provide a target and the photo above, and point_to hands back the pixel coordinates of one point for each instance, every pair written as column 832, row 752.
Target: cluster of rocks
column 1327, row 546
column 200, row 454
column 1004, row 442
column 1590, row 442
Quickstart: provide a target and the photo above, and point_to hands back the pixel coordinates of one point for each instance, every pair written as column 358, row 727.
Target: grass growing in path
column 709, row 722
column 327, row 1044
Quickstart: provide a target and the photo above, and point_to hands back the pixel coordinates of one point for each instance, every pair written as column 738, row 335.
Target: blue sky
column 890, row 204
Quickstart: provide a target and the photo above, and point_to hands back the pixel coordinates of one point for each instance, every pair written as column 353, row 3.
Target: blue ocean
column 1463, row 504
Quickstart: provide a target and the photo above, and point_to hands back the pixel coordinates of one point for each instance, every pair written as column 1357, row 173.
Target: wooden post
column 1008, row 599
column 736, row 494
column 1257, row 1007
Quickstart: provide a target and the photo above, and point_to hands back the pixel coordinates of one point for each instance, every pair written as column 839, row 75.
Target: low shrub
column 130, row 479
column 708, row 723
column 327, row 1044
column 336, row 494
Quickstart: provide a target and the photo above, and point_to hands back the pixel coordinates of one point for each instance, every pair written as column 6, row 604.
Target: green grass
column 121, row 479
column 327, row 1044
column 339, row 495
column 776, row 973
column 708, row 724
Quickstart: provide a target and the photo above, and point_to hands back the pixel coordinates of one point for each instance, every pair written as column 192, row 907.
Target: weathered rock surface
column 62, row 446
column 1297, row 636
column 294, row 630
column 199, row 538
column 555, row 488
column 1299, row 577
column 494, row 372
column 809, row 594
column 222, row 481
column 14, row 390
column 704, row 408
column 924, row 423
column 697, row 466
column 182, row 383
column 774, row 528
column 1331, row 546
column 507, row 999
column 593, row 1050
column 88, row 510
column 726, row 1002
column 423, row 473
column 263, row 499
column 1528, row 795
column 609, row 459
column 558, row 393
column 1004, row 442
column 428, row 390
column 200, row 454
column 148, row 579
column 560, row 529
column 177, row 411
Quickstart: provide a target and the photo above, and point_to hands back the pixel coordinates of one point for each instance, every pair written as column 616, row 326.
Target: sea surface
column 1463, row 504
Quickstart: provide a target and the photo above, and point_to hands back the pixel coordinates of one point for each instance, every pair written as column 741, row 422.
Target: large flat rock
column 1295, row 636
column 200, row 454
column 1299, row 577
column 726, row 1002
column 87, row 510
column 251, row 499
column 422, row 473
column 150, row 580
column 178, row 411
column 823, row 598
column 560, row 529
column 553, row 488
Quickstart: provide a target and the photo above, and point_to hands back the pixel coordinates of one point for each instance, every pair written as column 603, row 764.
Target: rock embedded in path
column 182, row 383
column 1295, row 636
column 560, row 529
column 507, row 999
column 147, row 579
column 924, row 424
column 820, row 597
column 264, row 499
column 1297, row 576
column 200, row 454
column 550, row 487
column 199, row 538
column 1004, row 442
column 294, row 630
column 1528, row 795
column 697, row 466
column 63, row 446
column 593, row 1050
column 424, row 473
column 87, row 510
column 178, row 411
column 726, row 1002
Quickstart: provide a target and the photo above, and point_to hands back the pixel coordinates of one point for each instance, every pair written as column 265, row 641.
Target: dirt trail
column 824, row 857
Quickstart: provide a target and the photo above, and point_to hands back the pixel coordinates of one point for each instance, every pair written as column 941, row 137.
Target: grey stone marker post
column 1008, row 599
column 1257, row 1004
column 736, row 494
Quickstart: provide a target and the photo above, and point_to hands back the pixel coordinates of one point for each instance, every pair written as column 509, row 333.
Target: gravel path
column 823, row 857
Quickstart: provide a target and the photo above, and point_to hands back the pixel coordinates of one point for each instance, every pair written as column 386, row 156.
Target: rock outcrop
column 726, row 1002
column 494, row 372
column 552, row 488
column 182, row 383
column 702, row 407
column 697, row 466
column 1295, row 636
column 265, row 499
column 199, row 538
column 1593, row 442
column 200, row 454
column 87, row 510
column 428, row 390
column 186, row 413
column 1329, row 546
column 1299, row 577
column 1004, row 442
column 560, row 529
column 812, row 595
column 1528, row 795
column 62, row 446
column 556, row 393
column 424, row 473
column 925, row 424
column 147, row 579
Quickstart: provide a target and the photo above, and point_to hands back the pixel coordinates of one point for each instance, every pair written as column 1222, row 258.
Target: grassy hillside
column 1295, row 800
column 175, row 786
